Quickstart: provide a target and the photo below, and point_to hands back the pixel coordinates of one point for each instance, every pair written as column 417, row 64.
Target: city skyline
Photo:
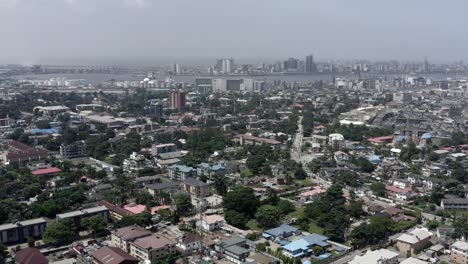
column 83, row 31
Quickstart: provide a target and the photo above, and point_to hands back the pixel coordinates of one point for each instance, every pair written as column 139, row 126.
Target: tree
column 268, row 216
column 378, row 189
column 285, row 207
column 355, row 208
column 221, row 184
column 461, row 226
column 236, row 219
column 364, row 164
column 94, row 224
column 31, row 241
column 318, row 250
column 183, row 203
column 43, row 124
column 271, row 197
column 59, row 232
column 432, row 224
column 3, row 252
column 241, row 199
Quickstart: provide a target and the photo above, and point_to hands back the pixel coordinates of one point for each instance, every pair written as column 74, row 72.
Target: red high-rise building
column 177, row 99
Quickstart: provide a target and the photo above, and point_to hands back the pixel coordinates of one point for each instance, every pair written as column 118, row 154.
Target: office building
column 310, row 66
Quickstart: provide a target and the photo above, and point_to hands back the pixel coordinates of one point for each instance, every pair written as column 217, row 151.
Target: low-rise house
column 459, row 252
column 304, row 246
column 454, row 203
column 310, row 195
column 381, row 256
column 152, row 247
column 181, row 172
column 47, row 172
column 341, row 156
column 402, row 194
column 195, row 187
column 212, row 222
column 412, row 260
column 234, row 249
column 281, row 232
column 77, row 216
column 189, row 242
column 135, row 208
column 122, row 237
column 264, row 258
column 414, row 241
column 20, row 231
column 112, row 255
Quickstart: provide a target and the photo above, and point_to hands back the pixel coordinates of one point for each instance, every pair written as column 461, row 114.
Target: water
column 94, row 78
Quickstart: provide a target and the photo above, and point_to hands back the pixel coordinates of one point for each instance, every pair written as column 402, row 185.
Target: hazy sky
column 47, row 31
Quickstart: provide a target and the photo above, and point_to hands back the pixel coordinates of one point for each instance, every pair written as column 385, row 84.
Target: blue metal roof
column 426, row 136
column 281, row 230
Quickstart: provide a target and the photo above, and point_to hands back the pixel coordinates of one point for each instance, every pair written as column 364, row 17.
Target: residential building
column 189, row 242
column 414, row 241
column 210, row 170
column 303, row 246
column 116, row 212
column 381, row 256
column 51, row 111
column 20, row 231
column 402, row 194
column 22, row 153
column 163, row 148
column 252, row 140
column 134, row 163
column 77, row 216
column 122, row 237
column 195, row 187
column 454, row 203
column 163, row 192
column 264, row 258
column 181, row 172
column 459, row 252
column 152, row 247
column 74, row 150
column 234, row 249
column 212, row 222
column 112, row 255
column 310, row 195
column 47, row 172
column 177, row 100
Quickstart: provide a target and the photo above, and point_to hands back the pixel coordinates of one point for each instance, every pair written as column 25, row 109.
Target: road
column 298, row 156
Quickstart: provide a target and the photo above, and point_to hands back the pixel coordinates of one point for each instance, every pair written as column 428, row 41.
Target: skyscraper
column 228, row 65
column 177, row 100
column 310, row 66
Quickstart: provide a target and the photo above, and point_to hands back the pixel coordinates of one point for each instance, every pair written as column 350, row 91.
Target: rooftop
column 374, row 256
column 113, row 255
column 152, row 242
column 131, row 232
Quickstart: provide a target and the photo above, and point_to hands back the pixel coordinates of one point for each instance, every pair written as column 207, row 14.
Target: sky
column 119, row 31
